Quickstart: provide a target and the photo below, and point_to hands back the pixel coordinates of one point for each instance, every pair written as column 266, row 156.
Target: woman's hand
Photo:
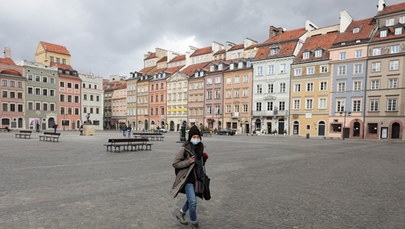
column 191, row 159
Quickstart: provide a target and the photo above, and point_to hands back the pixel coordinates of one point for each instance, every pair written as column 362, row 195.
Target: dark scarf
column 196, row 150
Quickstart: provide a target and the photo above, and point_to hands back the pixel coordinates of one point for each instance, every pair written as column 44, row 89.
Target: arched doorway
column 356, row 129
column 51, row 121
column 171, row 128
column 281, row 126
column 258, row 124
column 395, row 130
column 321, row 128
column 296, row 128
column 20, row 123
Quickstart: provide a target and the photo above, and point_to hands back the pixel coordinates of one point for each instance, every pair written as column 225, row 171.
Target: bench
column 50, row 136
column 23, row 134
column 150, row 136
column 4, row 129
column 128, row 144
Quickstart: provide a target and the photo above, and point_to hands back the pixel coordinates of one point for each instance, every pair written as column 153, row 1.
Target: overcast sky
column 108, row 37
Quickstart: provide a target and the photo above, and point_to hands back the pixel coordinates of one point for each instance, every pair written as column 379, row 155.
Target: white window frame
column 394, row 65
column 398, row 31
column 358, row 69
column 394, row 49
column 393, row 83
column 341, row 86
column 356, row 105
column 322, row 103
column 309, row 103
column 342, row 56
column 357, row 85
column 324, row 68
column 342, row 70
column 297, row 71
column 374, row 105
column 282, row 87
column 260, row 70
column 376, row 67
column 375, row 84
column 318, row 53
column 389, row 22
column 323, row 86
column 376, row 51
column 296, row 104
column 359, row 53
column 383, row 33
column 297, row 87
column 271, row 69
column 392, row 105
column 309, row 87
column 306, row 55
column 310, row 70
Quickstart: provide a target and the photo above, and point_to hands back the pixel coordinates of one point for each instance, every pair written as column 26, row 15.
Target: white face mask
column 195, row 141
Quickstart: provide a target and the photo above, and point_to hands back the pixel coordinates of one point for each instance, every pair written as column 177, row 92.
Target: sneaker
column 180, row 216
column 194, row 225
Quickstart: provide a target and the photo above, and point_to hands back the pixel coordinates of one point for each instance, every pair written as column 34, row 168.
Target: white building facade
column 92, row 99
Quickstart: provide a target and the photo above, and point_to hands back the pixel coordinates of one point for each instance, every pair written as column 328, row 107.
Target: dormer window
column 274, row 51
column 248, row 64
column 389, row 22
column 240, row 64
column 221, row 66
column 318, row 53
column 306, row 55
column 196, row 74
column 231, row 66
column 398, row 31
column 356, row 30
column 402, row 20
column 383, row 33
column 67, row 72
column 201, row 73
column 212, row 68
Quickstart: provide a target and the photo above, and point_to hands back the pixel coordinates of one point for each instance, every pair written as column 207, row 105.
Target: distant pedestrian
column 124, row 130
column 190, row 175
column 81, row 129
column 55, row 126
column 129, row 129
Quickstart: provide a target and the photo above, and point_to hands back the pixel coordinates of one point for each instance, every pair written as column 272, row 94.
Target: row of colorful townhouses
column 41, row 94
column 343, row 81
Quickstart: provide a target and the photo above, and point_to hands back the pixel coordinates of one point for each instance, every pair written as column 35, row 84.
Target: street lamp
column 344, row 122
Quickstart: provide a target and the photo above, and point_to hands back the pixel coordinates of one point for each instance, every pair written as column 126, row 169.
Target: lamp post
column 344, row 122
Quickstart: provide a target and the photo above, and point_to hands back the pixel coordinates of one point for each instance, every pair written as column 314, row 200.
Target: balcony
column 235, row 115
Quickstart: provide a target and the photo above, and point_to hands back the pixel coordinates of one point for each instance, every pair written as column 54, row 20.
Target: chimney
column 7, row 53
column 273, row 31
column 345, row 20
column 381, row 5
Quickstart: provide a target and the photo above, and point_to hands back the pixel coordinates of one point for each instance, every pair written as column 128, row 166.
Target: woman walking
column 189, row 167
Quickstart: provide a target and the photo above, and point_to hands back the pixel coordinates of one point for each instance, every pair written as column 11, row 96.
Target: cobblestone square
column 257, row 182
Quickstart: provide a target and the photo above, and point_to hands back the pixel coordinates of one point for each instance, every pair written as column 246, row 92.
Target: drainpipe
column 365, row 101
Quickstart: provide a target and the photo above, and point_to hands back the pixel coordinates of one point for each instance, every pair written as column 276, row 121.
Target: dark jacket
column 183, row 167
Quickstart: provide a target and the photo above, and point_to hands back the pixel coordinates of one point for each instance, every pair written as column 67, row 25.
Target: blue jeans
column 191, row 203
column 124, row 133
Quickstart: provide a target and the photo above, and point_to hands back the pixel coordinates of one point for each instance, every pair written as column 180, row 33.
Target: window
column 4, row 83
column 375, row 84
column 12, row 95
column 19, row 84
column 52, row 107
column 342, row 70
column 45, row 106
column 69, row 99
column 323, row 86
column 20, row 95
column 245, row 92
column 374, row 105
column 296, row 104
column 258, row 106
column 228, row 94
column 45, row 92
column 389, row 22
column 341, row 86
column 269, row 106
column 310, row 86
column 376, row 67
column 402, row 20
column 245, row 78
column 5, row 107
column 62, row 98
column 237, row 94
column 394, row 49
column 392, row 105
column 394, row 65
column 30, row 77
column 57, row 60
column 209, row 80
column 398, row 31
column 283, row 68
column 12, row 107
column 356, row 30
column 236, row 108
column 209, row 94
column 356, row 105
column 259, row 89
column 342, row 56
column 324, row 68
column 383, row 33
column 69, row 85
column 282, row 87
column 297, row 87
column 12, row 83
column 52, row 59
column 305, row 55
column 357, row 85
column 30, row 106
column 5, row 94
column 260, row 71
column 359, row 53
column 237, row 79
column 310, row 70
column 45, row 79
column 228, row 108
column 20, row 108
column 62, row 84
column 228, row 80
column 76, row 86
column 76, row 99
column 245, row 108
column 281, row 105
column 340, row 106
column 318, row 53
column 38, row 78
column 297, row 71
column 322, row 103
column 270, row 88
column 37, row 106
column 358, row 68
column 393, row 83
column 308, row 103
column 37, row 91
column 376, row 51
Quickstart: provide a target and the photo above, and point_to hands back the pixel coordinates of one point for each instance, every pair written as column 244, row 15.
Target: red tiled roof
column 236, row 47
column 163, row 59
column 286, row 49
column 252, row 46
column 156, row 71
column 114, row 85
column 146, row 70
column 54, row 48
column 7, row 61
column 286, row 36
column 392, row 9
column 202, row 51
column 11, row 72
column 63, row 66
column 173, row 69
column 178, row 58
column 190, row 70
column 366, row 27
column 220, row 52
column 319, row 41
column 152, row 55
column 69, row 76
column 390, row 34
